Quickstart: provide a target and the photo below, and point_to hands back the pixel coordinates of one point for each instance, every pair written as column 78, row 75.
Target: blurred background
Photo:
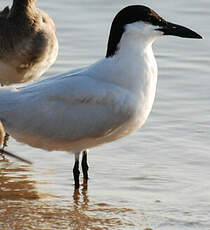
column 157, row 178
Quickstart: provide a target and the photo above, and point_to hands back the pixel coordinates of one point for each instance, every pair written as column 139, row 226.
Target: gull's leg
column 85, row 167
column 6, row 139
column 76, row 171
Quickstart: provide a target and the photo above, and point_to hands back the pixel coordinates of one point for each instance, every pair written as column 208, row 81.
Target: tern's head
column 141, row 22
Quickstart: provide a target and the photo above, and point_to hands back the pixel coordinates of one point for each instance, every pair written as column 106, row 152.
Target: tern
column 28, row 43
column 97, row 104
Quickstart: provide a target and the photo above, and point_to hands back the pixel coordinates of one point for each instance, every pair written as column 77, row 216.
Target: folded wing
column 66, row 109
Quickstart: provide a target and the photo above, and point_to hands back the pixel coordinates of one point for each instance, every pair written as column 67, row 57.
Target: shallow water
column 157, row 178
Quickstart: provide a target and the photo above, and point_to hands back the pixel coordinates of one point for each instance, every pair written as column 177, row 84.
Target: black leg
column 6, row 139
column 76, row 173
column 85, row 167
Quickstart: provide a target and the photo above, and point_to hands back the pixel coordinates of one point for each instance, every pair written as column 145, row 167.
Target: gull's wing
column 68, row 108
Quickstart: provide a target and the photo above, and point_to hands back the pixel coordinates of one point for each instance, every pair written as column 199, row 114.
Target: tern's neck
column 133, row 66
column 133, row 46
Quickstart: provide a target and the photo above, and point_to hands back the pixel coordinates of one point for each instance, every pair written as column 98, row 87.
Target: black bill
column 177, row 30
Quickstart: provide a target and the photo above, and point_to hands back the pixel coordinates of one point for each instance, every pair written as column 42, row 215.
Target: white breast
column 139, row 77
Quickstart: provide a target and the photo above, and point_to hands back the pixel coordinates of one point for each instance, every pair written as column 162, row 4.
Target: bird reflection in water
column 77, row 195
column 15, row 182
column 23, row 206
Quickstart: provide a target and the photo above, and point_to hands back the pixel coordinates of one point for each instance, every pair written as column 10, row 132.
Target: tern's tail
column 4, row 152
column 7, row 101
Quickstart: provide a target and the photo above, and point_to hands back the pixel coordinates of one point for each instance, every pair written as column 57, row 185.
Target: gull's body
column 28, row 42
column 96, row 104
